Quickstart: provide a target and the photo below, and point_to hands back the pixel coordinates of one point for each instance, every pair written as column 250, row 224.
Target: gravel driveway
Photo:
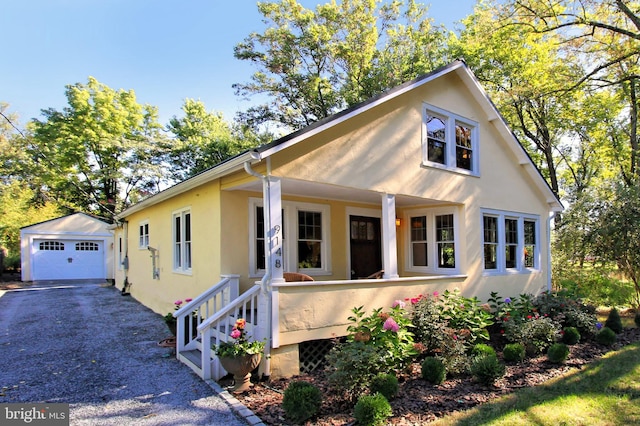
column 87, row 345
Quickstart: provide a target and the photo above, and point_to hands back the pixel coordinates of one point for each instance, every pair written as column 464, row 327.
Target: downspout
column 266, row 279
column 552, row 215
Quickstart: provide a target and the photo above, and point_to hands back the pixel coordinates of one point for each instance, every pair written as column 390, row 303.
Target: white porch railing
column 207, row 320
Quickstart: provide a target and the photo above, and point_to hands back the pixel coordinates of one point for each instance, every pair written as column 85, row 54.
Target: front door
column 366, row 250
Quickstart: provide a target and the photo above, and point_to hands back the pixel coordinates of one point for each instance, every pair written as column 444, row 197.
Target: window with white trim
column 51, row 245
column 87, row 246
column 182, row 241
column 143, row 235
column 510, row 241
column 432, row 241
column 305, row 237
column 450, row 141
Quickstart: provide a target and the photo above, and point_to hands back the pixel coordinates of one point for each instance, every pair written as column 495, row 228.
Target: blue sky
column 165, row 51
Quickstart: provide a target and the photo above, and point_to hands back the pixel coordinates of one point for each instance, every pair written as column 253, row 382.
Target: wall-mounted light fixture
column 398, row 221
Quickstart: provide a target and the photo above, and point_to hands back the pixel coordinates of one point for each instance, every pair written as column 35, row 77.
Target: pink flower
column 235, row 334
column 399, row 303
column 188, row 299
column 436, row 294
column 391, row 325
column 178, row 302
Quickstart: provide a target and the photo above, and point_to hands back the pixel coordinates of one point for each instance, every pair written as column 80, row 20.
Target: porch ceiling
column 339, row 193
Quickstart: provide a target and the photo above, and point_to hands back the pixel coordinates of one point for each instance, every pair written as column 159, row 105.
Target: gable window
column 435, row 229
column 451, row 141
column 509, row 241
column 143, row 241
column 182, row 241
column 306, row 249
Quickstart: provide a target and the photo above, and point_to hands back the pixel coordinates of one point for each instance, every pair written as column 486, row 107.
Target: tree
column 312, row 64
column 605, row 35
column 99, row 151
column 202, row 140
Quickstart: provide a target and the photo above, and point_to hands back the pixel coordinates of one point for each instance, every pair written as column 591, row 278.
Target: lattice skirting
column 312, row 354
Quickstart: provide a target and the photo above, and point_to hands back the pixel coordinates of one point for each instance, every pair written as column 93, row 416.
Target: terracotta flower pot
column 241, row 368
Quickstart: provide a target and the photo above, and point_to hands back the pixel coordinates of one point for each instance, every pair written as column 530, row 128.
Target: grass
column 606, row 392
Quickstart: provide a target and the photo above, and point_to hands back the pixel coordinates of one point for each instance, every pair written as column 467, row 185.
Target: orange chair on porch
column 296, row 277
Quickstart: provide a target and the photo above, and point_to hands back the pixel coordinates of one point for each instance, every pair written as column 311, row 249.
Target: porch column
column 273, row 225
column 389, row 240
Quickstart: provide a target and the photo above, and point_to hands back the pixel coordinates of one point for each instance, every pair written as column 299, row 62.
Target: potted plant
column 240, row 356
column 172, row 322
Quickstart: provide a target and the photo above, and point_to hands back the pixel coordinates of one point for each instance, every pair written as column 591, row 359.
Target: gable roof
column 69, row 216
column 262, row 152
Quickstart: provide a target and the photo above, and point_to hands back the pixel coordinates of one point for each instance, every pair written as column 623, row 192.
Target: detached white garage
column 77, row 246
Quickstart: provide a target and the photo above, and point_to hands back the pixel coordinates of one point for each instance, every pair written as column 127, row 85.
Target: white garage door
column 67, row 259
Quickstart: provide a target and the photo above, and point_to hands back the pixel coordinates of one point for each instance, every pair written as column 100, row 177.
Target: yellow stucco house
column 425, row 184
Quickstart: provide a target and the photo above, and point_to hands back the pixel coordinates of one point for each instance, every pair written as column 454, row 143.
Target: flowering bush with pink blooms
column 240, row 345
column 389, row 331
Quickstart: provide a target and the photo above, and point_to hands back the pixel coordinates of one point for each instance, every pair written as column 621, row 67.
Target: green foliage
column 567, row 311
column 570, row 335
column 337, row 55
column 387, row 331
column 598, row 285
column 352, row 366
column 301, row 401
column 482, row 349
column 514, row 352
column 433, row 370
column 613, row 321
column 429, row 326
column 486, row 369
column 558, row 353
column 385, row 384
column 536, row 332
column 372, row 410
column 454, row 353
column 463, row 313
column 606, row 336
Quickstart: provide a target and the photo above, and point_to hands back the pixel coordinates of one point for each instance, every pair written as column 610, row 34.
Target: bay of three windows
column 510, row 241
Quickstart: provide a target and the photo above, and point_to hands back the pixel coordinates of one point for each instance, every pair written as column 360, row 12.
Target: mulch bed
column 420, row 402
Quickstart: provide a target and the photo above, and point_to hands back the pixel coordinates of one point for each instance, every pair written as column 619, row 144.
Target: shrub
column 482, row 349
column 513, row 352
column 433, row 370
column 558, row 353
column 584, row 320
column 570, row 335
column 301, row 401
column 606, row 336
column 385, row 384
column 536, row 332
column 454, row 353
column 614, row 322
column 372, row 410
column 486, row 369
column 352, row 366
column 466, row 314
column 387, row 331
column 429, row 325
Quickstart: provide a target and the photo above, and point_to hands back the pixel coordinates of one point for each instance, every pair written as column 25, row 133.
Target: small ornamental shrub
column 466, row 314
column 372, row 410
column 429, row 325
column 535, row 332
column 454, row 353
column 584, row 319
column 570, row 335
column 433, row 370
column 614, row 322
column 482, row 349
column 486, row 369
column 385, row 384
column 513, row 352
column 558, row 353
column 352, row 366
column 301, row 401
column 636, row 318
column 606, row 336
